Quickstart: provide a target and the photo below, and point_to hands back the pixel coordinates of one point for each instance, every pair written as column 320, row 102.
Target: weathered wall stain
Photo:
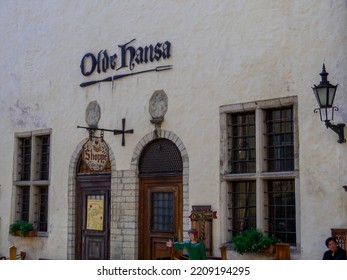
column 22, row 115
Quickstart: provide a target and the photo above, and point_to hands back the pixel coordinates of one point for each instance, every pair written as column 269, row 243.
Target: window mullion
column 259, row 115
column 296, row 136
column 259, row 128
column 32, row 177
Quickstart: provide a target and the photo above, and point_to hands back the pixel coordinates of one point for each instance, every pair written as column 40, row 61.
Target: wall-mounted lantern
column 325, row 94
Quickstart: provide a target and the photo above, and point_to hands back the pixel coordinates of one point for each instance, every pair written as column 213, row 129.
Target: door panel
column 93, row 217
column 94, row 248
column 160, row 216
column 159, row 249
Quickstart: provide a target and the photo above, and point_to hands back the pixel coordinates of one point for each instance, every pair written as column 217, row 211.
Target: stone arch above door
column 72, row 195
column 150, row 137
column 185, row 160
column 160, row 158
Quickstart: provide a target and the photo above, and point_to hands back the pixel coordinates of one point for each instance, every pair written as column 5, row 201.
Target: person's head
column 331, row 243
column 192, row 233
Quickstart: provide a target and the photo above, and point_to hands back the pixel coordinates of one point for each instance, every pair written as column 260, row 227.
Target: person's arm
column 179, row 245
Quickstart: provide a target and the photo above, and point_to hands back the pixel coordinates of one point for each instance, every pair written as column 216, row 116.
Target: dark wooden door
column 160, row 216
column 93, row 217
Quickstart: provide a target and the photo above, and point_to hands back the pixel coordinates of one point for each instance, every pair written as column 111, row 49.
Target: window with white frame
column 32, row 177
column 259, row 166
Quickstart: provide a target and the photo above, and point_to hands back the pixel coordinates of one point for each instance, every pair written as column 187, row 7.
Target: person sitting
column 335, row 252
column 196, row 250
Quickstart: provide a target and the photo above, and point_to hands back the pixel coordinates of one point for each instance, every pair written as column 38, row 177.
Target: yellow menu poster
column 95, row 214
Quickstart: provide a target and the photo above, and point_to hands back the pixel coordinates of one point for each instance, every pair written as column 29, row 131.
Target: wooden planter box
column 267, row 254
column 232, row 255
column 278, row 251
column 282, row 251
column 32, row 233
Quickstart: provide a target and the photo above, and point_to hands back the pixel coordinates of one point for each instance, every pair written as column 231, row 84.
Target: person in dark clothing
column 335, row 252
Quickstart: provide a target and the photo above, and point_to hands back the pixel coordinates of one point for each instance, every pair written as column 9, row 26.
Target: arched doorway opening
column 92, row 206
column 160, row 198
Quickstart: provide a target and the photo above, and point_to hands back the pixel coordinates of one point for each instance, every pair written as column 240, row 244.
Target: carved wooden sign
column 202, row 213
column 200, row 216
column 95, row 154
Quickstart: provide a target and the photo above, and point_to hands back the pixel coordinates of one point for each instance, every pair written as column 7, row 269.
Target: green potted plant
column 252, row 241
column 22, row 228
column 15, row 228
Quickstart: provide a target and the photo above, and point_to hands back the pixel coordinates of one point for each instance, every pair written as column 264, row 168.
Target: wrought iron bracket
column 115, row 131
column 337, row 128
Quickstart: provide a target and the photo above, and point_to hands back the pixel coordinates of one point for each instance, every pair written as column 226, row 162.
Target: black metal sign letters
column 128, row 57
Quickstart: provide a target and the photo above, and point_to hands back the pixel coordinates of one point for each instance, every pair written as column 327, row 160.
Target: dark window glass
column 43, row 208
column 242, row 206
column 280, row 139
column 43, row 147
column 242, row 139
column 25, row 158
column 24, row 202
column 162, row 212
column 282, row 223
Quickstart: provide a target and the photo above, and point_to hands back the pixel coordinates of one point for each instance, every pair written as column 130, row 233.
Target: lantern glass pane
column 322, row 96
column 332, row 91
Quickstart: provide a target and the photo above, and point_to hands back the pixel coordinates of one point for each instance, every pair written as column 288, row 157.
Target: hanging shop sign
column 127, row 57
column 202, row 213
column 95, row 154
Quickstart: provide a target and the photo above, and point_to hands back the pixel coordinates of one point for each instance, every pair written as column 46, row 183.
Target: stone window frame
column 35, row 184
column 261, row 176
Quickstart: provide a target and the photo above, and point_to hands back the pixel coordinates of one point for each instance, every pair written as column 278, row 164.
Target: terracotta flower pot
column 31, row 233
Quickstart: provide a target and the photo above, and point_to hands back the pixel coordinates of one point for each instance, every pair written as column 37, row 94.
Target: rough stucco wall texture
column 223, row 52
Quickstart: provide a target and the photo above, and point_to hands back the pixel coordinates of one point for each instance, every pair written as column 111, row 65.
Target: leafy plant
column 14, row 227
column 252, row 241
column 23, row 226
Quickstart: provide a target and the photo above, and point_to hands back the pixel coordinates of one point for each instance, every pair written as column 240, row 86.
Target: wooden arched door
column 161, row 198
column 92, row 236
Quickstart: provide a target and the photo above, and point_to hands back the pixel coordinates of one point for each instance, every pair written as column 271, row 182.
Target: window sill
column 42, row 234
column 31, row 234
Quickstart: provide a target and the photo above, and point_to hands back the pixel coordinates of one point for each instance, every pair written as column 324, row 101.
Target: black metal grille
column 242, row 142
column 25, row 158
column 23, row 203
column 280, row 139
column 282, row 222
column 43, row 148
column 161, row 158
column 43, row 208
column 242, row 206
